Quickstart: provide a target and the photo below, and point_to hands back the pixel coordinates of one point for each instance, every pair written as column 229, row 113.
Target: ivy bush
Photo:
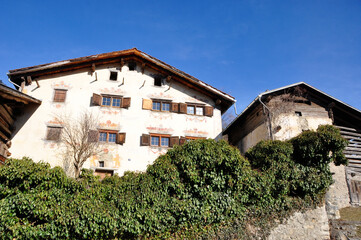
column 203, row 189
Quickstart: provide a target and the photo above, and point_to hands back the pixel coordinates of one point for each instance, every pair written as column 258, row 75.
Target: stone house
column 143, row 106
column 12, row 104
column 285, row 112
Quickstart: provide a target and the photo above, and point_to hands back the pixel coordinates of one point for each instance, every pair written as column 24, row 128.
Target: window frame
column 111, row 101
column 107, row 132
column 195, row 106
column 161, row 102
column 160, row 136
column 56, row 97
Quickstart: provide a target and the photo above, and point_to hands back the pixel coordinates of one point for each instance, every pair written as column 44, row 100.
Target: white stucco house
column 144, row 106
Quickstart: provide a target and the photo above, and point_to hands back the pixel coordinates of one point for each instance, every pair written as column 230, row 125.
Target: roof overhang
column 14, row 95
column 222, row 99
column 316, row 92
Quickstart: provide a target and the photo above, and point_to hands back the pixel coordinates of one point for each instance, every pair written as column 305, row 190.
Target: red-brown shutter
column 208, row 111
column 121, row 138
column 182, row 108
column 59, row 95
column 173, row 141
column 147, row 104
column 97, row 99
column 145, row 141
column 182, row 140
column 125, row 102
column 174, row 107
column 93, row 136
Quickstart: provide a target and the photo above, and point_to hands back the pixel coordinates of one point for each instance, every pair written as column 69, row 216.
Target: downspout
column 14, row 83
column 268, row 115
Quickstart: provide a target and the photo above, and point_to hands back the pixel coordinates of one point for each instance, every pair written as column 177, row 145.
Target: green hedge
column 203, row 189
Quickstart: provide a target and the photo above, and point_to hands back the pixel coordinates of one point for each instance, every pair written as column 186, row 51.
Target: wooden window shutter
column 147, row 104
column 59, row 95
column 53, row 133
column 173, row 141
column 182, row 140
column 121, row 138
column 97, row 99
column 93, row 136
column 145, row 140
column 183, row 108
column 208, row 111
column 125, row 102
column 174, row 107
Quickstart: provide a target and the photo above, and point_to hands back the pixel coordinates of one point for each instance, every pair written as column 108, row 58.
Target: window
column 101, row 163
column 59, row 95
column 298, row 114
column 157, row 81
column 159, row 140
column 110, row 101
column 107, row 136
column 163, row 106
column 195, row 110
column 113, row 75
column 132, row 66
column 53, row 133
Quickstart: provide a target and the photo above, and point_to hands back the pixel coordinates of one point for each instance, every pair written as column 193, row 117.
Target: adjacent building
column 285, row 112
column 143, row 106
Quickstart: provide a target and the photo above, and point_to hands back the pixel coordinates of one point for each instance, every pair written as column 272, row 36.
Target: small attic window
column 132, row 66
column 157, row 81
column 298, row 114
column 113, row 75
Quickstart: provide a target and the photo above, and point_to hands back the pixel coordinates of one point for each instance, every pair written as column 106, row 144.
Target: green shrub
column 203, row 189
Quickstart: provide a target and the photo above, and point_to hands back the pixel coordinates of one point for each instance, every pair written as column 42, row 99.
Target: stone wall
column 310, row 225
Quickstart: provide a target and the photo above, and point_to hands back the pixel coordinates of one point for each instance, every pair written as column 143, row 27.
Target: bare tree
column 80, row 138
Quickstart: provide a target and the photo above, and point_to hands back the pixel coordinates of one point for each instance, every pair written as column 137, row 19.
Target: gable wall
column 29, row 140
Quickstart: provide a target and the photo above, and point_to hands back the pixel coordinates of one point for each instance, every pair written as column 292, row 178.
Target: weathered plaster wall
column 252, row 138
column 310, row 225
column 30, row 140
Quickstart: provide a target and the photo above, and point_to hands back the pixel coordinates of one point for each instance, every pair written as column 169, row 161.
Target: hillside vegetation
column 203, row 189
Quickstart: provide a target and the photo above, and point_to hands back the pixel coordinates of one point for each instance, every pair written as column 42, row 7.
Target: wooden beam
column 5, row 130
column 169, row 78
column 28, row 80
column 93, row 68
column 143, row 67
column 218, row 101
column 6, row 116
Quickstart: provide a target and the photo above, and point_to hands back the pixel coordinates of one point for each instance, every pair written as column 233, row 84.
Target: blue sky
column 240, row 47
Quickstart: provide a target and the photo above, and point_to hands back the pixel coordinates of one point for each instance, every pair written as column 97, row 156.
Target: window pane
column 102, row 137
column 190, row 109
column 165, row 142
column 165, row 107
column 116, row 102
column 155, row 141
column 199, row 110
column 156, row 106
column 112, row 137
column 106, row 101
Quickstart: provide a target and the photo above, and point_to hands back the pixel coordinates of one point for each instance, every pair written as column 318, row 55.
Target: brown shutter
column 173, row 141
column 53, row 133
column 59, row 95
column 145, row 140
column 183, row 108
column 208, row 111
column 147, row 104
column 121, row 138
column 174, row 107
column 93, row 136
column 125, row 102
column 97, row 99
column 182, row 140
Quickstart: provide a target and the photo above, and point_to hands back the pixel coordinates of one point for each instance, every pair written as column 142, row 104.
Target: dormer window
column 132, row 66
column 113, row 75
column 158, row 81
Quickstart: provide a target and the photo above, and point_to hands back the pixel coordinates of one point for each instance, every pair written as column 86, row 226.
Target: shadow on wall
column 22, row 116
